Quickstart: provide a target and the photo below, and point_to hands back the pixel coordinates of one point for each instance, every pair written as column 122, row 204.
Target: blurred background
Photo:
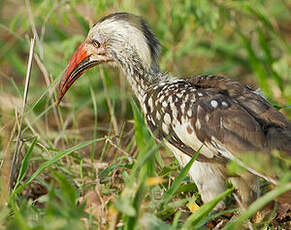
column 247, row 40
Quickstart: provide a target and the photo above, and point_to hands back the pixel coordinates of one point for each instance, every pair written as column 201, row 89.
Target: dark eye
column 96, row 43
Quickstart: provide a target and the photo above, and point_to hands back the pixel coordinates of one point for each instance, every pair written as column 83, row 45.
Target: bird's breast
column 171, row 115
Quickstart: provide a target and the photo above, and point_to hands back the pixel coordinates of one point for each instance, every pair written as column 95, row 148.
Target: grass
column 91, row 163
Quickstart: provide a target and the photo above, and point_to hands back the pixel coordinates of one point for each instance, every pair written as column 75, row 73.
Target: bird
column 224, row 116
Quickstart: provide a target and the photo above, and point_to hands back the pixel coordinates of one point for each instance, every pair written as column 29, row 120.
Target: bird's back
column 224, row 115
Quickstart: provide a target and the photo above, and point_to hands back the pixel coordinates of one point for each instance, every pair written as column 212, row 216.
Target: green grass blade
column 68, row 190
column 257, row 205
column 208, row 218
column 133, row 220
column 173, row 205
column 141, row 132
column 56, row 158
column 94, row 103
column 124, row 203
column 25, row 163
column 256, row 64
column 150, row 221
column 145, row 143
column 204, row 210
column 176, row 219
column 178, row 180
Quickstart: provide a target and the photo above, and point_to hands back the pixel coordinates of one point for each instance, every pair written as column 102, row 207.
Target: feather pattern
column 225, row 116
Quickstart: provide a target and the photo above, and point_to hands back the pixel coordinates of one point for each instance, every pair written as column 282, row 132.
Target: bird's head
column 119, row 39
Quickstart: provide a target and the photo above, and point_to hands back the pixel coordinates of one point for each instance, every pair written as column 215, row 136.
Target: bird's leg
column 208, row 177
column 209, row 180
column 247, row 187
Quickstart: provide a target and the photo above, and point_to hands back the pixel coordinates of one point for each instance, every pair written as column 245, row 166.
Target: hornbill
column 225, row 116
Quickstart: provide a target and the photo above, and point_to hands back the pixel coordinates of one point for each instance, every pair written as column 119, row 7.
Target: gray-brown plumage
column 225, row 116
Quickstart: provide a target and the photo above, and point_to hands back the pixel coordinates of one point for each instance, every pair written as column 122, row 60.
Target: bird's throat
column 139, row 81
column 140, row 75
column 140, row 78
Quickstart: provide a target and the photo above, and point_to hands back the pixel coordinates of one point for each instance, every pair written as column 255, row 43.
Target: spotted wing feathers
column 225, row 116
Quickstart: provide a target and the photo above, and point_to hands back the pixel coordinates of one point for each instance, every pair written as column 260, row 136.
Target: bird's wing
column 250, row 123
column 224, row 115
column 253, row 101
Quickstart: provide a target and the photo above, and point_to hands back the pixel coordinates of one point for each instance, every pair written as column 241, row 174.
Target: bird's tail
column 280, row 138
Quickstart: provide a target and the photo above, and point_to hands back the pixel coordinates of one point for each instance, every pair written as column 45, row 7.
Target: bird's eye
column 96, row 43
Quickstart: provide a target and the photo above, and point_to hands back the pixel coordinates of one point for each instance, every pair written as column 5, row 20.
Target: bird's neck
column 141, row 78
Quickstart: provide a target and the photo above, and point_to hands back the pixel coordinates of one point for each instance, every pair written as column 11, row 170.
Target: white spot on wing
column 214, row 103
column 144, row 108
column 224, row 104
column 150, row 103
column 198, row 124
column 167, row 119
column 207, row 117
column 174, row 111
column 189, row 113
column 182, row 107
column 165, row 128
